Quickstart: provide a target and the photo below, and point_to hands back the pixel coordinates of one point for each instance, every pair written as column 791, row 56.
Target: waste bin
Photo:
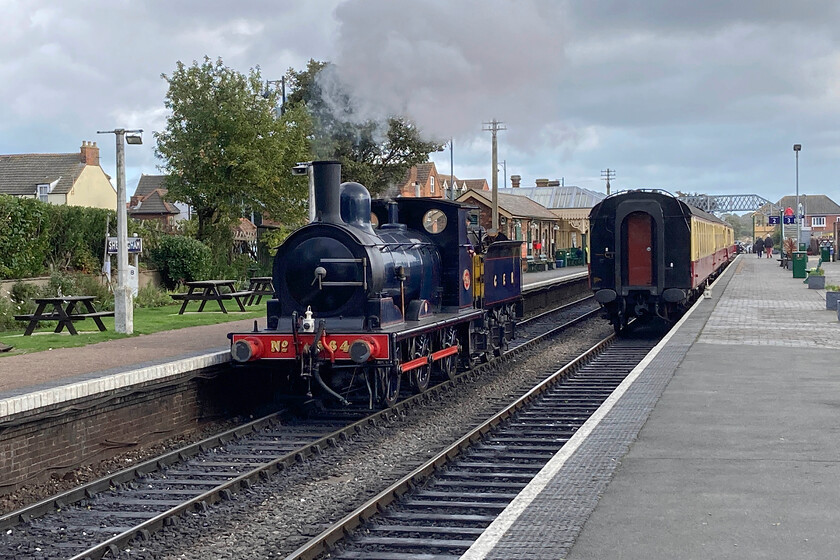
column 825, row 253
column 803, row 246
column 800, row 264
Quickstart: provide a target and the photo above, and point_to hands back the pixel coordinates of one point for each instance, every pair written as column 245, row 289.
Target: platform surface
column 725, row 445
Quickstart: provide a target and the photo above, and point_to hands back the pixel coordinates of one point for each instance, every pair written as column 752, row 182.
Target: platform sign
column 790, row 220
column 773, row 220
column 135, row 245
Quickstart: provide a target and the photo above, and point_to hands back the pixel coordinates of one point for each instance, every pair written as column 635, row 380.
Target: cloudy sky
column 680, row 95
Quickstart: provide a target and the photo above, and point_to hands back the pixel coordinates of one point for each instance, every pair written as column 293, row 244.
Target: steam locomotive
column 653, row 254
column 373, row 292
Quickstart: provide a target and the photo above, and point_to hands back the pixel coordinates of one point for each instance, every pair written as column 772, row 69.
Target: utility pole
column 282, row 83
column 494, row 126
column 606, row 175
column 451, row 171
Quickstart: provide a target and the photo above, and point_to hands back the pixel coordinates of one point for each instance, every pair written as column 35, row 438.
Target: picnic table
column 260, row 286
column 64, row 311
column 212, row 290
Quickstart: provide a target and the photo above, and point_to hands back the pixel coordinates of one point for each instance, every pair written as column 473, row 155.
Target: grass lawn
column 146, row 321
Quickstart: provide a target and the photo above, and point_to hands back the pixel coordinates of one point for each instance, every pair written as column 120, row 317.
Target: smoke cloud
column 450, row 66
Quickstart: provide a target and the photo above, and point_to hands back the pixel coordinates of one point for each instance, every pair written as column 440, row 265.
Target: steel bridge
column 727, row 203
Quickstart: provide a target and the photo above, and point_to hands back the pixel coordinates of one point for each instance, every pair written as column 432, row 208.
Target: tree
column 226, row 150
column 376, row 153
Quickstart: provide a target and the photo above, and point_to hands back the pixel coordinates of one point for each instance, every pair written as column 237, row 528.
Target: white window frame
column 432, row 183
column 818, row 221
column 42, row 192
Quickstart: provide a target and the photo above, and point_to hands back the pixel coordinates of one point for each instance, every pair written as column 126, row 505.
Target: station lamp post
column 798, row 216
column 123, row 295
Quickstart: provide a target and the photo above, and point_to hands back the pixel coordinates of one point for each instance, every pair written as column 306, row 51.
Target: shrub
column 181, row 259
column 152, row 296
column 8, row 310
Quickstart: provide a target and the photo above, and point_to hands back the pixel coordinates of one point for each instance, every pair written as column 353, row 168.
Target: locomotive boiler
column 652, row 254
column 375, row 291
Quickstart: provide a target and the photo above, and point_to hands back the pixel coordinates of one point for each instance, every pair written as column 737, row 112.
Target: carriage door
column 639, row 249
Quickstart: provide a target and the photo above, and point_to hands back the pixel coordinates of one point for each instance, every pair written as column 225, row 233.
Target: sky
column 705, row 97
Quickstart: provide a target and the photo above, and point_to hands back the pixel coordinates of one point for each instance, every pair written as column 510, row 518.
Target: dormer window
column 43, row 192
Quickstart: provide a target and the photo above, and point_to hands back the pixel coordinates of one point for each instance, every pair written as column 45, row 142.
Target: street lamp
column 123, row 295
column 796, row 149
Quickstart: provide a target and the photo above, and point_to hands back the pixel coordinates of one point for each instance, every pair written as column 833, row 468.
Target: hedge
column 36, row 237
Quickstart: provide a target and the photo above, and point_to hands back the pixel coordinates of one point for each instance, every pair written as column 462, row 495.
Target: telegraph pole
column 606, row 175
column 494, row 126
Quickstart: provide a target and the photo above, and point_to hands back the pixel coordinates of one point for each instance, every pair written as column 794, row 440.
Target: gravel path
column 275, row 518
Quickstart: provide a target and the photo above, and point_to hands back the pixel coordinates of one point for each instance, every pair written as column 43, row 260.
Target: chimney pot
column 514, row 181
column 89, row 153
column 542, row 182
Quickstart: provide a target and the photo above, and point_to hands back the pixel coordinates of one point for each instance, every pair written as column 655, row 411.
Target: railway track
column 100, row 518
column 441, row 508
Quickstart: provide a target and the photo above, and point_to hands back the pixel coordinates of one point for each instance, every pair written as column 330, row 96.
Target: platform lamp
column 796, row 150
column 123, row 295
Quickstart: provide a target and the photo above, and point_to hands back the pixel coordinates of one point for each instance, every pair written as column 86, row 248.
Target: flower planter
column 816, row 282
column 831, row 299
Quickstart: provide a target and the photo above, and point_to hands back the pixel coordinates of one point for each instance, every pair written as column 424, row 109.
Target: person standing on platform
column 768, row 246
column 759, row 247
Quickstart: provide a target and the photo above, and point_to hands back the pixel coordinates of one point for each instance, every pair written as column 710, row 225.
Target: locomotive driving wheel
column 419, row 347
column 389, row 384
column 448, row 366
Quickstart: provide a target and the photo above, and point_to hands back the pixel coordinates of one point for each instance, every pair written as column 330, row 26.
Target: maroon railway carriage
column 652, row 254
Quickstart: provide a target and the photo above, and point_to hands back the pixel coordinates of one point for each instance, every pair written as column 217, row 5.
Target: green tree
column 227, row 151
column 374, row 153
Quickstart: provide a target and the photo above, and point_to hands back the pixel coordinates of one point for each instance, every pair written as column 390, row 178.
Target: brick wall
column 54, row 442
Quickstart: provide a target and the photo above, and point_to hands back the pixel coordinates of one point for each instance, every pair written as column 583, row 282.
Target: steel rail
column 324, row 542
column 245, row 480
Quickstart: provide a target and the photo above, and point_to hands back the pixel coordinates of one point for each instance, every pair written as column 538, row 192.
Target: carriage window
column 434, row 221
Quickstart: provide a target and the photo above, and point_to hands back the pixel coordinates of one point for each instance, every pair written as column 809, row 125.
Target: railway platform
column 722, row 443
column 30, row 382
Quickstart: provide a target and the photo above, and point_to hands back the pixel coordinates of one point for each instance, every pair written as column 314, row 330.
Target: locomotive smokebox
column 327, row 178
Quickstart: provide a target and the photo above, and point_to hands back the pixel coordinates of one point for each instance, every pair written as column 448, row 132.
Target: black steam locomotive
column 652, row 254
column 373, row 291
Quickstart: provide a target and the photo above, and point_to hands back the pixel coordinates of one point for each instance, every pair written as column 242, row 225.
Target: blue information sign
column 790, row 220
column 774, row 220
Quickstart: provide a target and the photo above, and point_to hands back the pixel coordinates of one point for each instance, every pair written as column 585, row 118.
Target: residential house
column 520, row 218
column 570, row 204
column 74, row 179
column 421, row 180
column 149, row 203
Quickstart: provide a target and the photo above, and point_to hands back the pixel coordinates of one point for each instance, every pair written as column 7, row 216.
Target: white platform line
column 494, row 532
column 64, row 393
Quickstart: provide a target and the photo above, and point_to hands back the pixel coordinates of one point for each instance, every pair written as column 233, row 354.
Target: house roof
column 149, row 183
column 153, row 203
column 559, row 197
column 20, row 174
column 516, row 206
column 812, row 204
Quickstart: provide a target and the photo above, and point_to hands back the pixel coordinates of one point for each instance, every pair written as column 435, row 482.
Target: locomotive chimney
column 327, row 178
column 393, row 213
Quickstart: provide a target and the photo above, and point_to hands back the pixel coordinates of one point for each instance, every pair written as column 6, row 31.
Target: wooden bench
column 260, row 286
column 210, row 290
column 63, row 312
